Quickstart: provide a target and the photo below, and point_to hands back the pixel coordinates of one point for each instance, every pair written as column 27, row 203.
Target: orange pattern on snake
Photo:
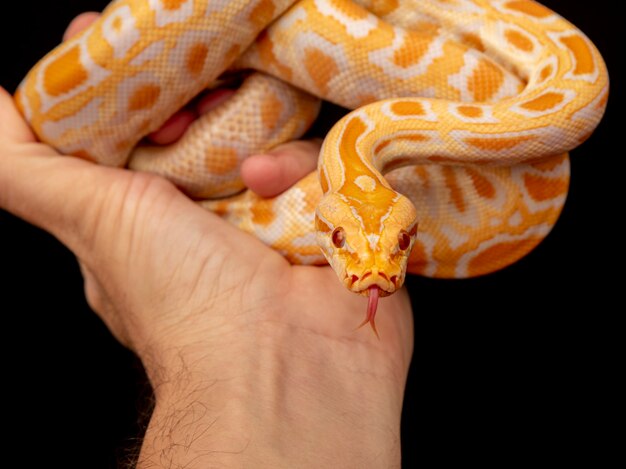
column 467, row 107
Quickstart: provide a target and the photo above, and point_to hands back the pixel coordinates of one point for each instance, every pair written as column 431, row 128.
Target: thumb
column 88, row 207
column 52, row 191
column 12, row 126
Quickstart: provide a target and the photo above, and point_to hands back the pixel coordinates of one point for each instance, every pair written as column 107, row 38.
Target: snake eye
column 404, row 240
column 339, row 237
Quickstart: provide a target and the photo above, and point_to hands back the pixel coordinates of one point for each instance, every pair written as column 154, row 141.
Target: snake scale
column 453, row 162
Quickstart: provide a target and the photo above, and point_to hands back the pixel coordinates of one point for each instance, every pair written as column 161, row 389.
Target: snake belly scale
column 453, row 163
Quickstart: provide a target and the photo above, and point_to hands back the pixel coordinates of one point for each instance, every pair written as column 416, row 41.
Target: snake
column 450, row 162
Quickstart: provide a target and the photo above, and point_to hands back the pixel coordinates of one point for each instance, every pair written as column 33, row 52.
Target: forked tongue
column 372, row 304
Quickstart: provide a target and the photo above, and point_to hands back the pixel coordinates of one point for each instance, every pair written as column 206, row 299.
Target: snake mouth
column 361, row 285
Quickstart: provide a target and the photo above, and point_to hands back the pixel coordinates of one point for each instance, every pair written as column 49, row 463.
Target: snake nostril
column 354, row 279
column 394, row 280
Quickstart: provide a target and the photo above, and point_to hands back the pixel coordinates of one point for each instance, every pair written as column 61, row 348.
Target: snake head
column 367, row 243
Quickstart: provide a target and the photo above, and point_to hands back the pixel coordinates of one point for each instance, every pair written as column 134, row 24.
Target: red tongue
column 372, row 304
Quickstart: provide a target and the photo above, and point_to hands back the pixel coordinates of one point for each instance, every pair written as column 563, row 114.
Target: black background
column 510, row 367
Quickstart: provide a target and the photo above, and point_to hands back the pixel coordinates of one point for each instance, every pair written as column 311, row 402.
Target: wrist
column 277, row 395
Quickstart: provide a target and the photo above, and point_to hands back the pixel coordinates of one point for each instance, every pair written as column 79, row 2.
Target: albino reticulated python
column 468, row 106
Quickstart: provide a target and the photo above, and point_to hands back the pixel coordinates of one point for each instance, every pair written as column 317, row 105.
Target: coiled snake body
column 467, row 106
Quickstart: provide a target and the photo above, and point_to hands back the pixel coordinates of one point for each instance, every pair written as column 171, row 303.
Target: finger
column 270, row 174
column 80, row 23
column 173, row 128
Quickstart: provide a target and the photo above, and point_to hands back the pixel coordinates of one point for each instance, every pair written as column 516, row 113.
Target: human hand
column 222, row 323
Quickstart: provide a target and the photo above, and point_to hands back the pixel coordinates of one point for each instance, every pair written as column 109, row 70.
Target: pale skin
column 254, row 362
